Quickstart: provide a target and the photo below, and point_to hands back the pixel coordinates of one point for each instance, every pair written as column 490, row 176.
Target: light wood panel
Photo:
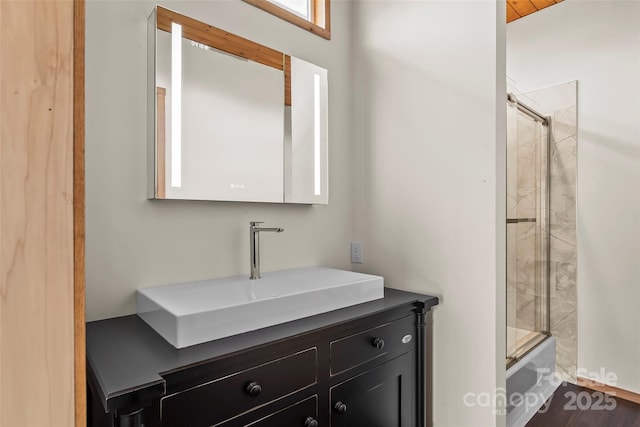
column 614, row 391
column 36, row 214
column 518, row 8
column 80, row 377
column 321, row 25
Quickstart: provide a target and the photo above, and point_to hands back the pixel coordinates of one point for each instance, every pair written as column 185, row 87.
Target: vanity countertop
column 124, row 355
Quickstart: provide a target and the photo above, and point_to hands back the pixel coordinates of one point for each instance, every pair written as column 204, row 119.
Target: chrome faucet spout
column 254, row 245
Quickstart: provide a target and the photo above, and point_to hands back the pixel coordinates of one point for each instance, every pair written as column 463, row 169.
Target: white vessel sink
column 191, row 313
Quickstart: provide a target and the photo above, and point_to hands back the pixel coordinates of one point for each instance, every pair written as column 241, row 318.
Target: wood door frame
column 79, row 213
column 42, row 339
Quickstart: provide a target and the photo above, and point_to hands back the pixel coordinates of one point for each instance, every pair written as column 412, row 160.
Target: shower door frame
column 543, row 270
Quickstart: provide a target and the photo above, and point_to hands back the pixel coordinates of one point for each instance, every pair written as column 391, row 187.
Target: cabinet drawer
column 301, row 414
column 384, row 341
column 224, row 398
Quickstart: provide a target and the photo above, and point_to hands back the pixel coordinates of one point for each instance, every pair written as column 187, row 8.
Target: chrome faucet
column 254, row 246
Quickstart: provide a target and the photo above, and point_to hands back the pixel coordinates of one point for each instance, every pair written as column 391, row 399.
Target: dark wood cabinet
column 365, row 365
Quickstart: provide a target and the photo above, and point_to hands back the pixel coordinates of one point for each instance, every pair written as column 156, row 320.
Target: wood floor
column 572, row 405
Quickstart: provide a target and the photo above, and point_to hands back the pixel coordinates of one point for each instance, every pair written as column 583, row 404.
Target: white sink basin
column 191, row 313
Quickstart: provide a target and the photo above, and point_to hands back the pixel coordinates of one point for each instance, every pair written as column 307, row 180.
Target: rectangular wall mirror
column 231, row 119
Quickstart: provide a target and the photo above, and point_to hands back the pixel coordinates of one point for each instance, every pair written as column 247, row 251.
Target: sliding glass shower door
column 527, row 229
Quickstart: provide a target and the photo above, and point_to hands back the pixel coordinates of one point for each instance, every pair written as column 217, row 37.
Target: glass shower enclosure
column 528, row 291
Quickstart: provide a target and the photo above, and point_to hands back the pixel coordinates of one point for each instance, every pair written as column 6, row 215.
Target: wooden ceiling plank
column 541, row 4
column 523, row 7
column 512, row 15
column 518, row 8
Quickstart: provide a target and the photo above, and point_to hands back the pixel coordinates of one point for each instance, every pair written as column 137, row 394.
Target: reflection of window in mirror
column 312, row 15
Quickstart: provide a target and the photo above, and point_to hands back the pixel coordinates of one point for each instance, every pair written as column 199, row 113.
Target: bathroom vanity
column 364, row 365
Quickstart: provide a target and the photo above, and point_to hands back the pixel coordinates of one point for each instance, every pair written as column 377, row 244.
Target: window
column 301, row 8
column 312, row 15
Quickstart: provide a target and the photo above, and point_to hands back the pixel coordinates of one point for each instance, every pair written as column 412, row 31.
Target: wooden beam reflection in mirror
column 227, row 42
column 287, row 80
column 219, row 39
column 161, row 94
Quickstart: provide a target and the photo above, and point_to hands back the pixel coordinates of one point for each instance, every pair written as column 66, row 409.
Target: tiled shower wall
column 560, row 103
column 525, row 138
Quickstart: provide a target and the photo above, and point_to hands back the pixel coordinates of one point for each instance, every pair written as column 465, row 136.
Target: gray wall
column 132, row 242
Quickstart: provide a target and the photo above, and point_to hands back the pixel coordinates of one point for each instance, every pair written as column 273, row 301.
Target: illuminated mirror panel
column 225, row 127
column 307, row 148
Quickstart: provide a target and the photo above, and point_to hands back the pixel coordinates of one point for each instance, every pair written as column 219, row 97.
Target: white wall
column 598, row 44
column 132, row 242
column 430, row 124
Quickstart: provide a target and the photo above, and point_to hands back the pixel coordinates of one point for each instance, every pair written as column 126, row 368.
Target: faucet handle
column 255, row 223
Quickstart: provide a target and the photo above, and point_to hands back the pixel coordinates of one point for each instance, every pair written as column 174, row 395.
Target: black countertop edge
column 125, row 355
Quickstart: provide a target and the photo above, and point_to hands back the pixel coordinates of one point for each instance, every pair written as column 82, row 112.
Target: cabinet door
column 381, row 397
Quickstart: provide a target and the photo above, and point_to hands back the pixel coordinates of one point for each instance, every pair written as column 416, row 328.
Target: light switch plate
column 356, row 252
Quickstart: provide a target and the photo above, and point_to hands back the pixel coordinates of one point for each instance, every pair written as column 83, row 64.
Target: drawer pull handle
column 378, row 343
column 310, row 422
column 253, row 389
column 340, row 408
